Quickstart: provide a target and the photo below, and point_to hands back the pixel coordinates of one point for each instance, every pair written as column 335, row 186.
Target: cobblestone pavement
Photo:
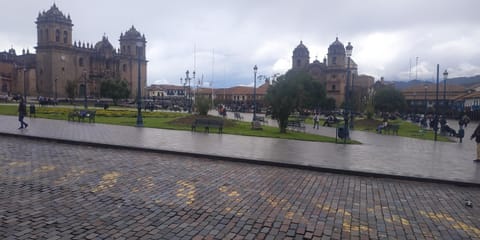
column 51, row 190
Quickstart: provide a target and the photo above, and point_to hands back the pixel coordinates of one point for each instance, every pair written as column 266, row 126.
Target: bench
column 82, row 115
column 296, row 125
column 391, row 128
column 237, row 116
column 208, row 123
column 260, row 119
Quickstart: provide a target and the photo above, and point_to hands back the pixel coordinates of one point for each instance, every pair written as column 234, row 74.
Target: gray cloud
column 386, row 35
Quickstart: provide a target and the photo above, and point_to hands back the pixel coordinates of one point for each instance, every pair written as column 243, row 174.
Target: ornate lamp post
column 435, row 120
column 255, row 68
column 348, row 52
column 139, row 88
column 25, row 83
column 426, row 105
column 187, row 79
column 85, row 89
column 445, row 105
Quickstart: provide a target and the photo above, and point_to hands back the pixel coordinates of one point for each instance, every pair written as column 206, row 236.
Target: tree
column 388, row 99
column 114, row 89
column 71, row 89
column 328, row 104
column 293, row 91
column 203, row 105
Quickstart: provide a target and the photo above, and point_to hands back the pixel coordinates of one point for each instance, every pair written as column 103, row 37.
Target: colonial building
column 59, row 59
column 333, row 71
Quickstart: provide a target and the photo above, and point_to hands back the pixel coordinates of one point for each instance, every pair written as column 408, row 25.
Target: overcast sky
column 230, row 37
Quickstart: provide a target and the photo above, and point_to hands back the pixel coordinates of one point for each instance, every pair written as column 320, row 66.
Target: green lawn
column 407, row 129
column 166, row 120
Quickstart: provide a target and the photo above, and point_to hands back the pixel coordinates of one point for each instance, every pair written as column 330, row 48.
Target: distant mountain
column 462, row 81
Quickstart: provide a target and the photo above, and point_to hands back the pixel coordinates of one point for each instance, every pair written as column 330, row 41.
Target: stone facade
column 58, row 60
column 332, row 72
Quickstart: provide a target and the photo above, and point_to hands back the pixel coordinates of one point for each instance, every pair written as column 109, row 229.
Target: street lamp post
column 139, row 88
column 348, row 52
column 184, row 93
column 25, row 83
column 445, row 105
column 435, row 120
column 255, row 68
column 56, row 90
column 85, row 89
column 187, row 79
column 426, row 106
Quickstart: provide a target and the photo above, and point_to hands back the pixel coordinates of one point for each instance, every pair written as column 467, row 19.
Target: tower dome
column 336, row 47
column 301, row 51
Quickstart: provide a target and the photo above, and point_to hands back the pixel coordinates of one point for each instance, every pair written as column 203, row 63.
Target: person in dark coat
column 476, row 135
column 22, row 112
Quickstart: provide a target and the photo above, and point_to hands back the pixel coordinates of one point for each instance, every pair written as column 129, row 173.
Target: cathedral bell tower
column 54, row 29
column 54, row 56
column 301, row 57
column 132, row 49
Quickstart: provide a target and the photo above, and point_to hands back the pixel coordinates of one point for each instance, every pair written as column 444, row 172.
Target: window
column 46, row 35
column 57, row 35
column 80, row 62
column 65, row 36
column 128, row 49
column 334, row 60
column 124, row 67
column 299, row 63
column 334, row 87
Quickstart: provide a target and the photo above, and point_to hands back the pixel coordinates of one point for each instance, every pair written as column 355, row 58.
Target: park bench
column 237, row 116
column 261, row 119
column 82, row 115
column 391, row 128
column 208, row 123
column 296, row 125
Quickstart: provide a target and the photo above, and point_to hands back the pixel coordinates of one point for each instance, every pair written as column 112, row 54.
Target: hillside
column 462, row 81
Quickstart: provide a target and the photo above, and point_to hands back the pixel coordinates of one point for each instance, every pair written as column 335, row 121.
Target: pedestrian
column 32, row 111
column 476, row 135
column 460, row 134
column 22, row 112
column 316, row 120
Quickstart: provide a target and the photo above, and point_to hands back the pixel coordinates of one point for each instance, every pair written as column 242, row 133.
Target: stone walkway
column 379, row 155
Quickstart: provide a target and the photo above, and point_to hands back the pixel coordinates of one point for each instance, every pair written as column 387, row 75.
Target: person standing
column 476, row 135
column 316, row 120
column 22, row 112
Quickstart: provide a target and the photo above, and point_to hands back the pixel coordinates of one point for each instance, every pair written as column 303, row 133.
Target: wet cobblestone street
column 51, row 190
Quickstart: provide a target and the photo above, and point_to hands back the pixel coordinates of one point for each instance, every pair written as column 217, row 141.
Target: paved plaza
column 52, row 190
column 378, row 155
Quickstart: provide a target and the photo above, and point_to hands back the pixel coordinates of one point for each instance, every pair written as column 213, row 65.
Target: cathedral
column 59, row 60
column 333, row 71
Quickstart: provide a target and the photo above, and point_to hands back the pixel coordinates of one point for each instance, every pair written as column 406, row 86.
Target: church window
column 334, row 60
column 334, row 87
column 124, row 67
column 80, row 62
column 40, row 35
column 65, row 36
column 46, row 34
column 57, row 35
column 299, row 63
column 128, row 49
column 123, row 49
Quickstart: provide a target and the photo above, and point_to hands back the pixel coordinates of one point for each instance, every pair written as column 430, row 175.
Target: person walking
column 476, row 135
column 316, row 121
column 22, row 112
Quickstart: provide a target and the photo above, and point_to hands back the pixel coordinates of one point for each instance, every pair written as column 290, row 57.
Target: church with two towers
column 59, row 59
column 333, row 71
